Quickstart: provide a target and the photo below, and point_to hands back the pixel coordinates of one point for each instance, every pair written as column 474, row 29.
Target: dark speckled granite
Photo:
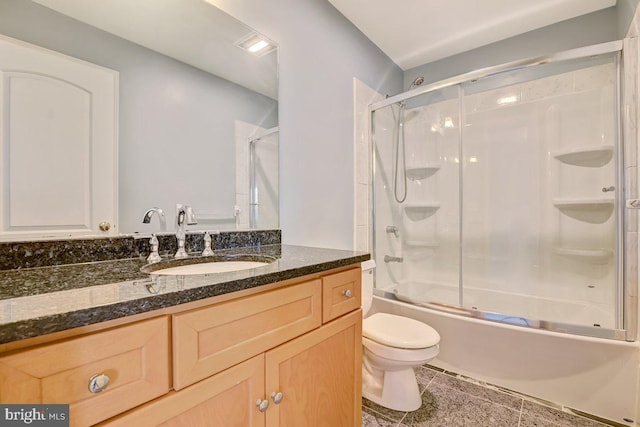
column 34, row 281
column 17, row 255
column 43, row 300
column 222, row 240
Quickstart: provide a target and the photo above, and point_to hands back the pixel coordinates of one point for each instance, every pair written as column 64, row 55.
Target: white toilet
column 392, row 347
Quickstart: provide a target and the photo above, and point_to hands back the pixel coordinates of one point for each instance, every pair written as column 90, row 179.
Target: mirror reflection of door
column 58, row 130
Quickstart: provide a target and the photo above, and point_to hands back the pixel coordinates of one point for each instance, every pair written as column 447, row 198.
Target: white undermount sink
column 209, row 268
column 207, row 265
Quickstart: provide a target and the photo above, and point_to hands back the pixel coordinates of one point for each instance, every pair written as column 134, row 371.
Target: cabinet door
column 227, row 399
column 319, row 375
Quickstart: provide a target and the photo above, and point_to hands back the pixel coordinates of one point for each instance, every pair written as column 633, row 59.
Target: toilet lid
column 398, row 331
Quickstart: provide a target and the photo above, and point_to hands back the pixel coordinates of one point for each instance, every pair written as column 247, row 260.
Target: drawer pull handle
column 277, row 397
column 262, row 405
column 98, row 383
column 347, row 293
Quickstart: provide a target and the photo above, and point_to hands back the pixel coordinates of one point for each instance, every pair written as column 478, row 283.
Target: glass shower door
column 417, row 198
column 263, row 180
column 539, row 193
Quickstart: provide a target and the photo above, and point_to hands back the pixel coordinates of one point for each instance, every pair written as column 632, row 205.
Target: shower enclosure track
column 598, row 49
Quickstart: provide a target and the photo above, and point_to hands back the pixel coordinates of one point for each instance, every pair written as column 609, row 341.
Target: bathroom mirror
column 197, row 120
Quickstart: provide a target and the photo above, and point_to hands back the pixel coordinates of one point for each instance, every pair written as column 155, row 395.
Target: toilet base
column 399, row 389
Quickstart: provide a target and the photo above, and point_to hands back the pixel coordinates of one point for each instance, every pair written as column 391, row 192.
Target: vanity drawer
column 134, row 357
column 341, row 293
column 210, row 339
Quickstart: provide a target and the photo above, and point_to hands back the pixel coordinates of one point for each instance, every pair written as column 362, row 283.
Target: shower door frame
column 626, row 305
column 254, row 196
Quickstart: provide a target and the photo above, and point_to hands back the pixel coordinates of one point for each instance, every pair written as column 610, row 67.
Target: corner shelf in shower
column 423, row 172
column 595, row 211
column 592, row 256
column 586, row 156
column 418, row 212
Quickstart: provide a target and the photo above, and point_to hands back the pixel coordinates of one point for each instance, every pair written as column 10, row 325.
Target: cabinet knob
column 277, row 397
column 98, row 383
column 347, row 293
column 104, row 226
column 262, row 405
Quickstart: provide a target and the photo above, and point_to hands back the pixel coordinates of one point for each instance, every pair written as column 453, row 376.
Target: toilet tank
column 367, row 284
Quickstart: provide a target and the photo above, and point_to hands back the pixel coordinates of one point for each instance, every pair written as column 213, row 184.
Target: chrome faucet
column 184, row 214
column 148, row 214
column 392, row 229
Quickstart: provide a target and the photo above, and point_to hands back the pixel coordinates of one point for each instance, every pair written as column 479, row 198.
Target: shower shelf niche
column 587, row 156
column 421, row 211
column 593, row 256
column 423, row 172
column 594, row 211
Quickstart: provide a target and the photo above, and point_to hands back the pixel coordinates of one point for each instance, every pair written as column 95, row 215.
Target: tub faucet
column 155, row 210
column 184, row 214
column 388, row 258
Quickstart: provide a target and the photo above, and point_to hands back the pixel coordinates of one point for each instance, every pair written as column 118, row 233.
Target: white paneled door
column 58, row 134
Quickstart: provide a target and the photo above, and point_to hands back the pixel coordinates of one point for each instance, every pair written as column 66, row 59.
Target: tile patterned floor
column 450, row 401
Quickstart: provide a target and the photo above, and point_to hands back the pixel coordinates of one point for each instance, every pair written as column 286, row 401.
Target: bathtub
column 509, row 303
column 593, row 375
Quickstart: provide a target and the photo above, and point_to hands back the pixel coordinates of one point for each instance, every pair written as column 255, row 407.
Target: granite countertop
column 43, row 300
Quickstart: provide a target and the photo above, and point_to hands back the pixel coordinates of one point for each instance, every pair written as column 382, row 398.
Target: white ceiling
column 192, row 31
column 416, row 32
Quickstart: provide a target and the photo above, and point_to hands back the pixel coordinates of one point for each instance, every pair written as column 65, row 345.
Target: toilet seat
column 399, row 332
column 401, row 355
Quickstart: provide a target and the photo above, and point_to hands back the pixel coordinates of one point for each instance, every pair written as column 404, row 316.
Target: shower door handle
column 633, row 204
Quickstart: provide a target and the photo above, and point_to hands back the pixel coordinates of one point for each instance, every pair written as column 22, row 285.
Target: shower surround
column 515, row 214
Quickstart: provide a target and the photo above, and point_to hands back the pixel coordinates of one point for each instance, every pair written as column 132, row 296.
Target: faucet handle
column 154, row 256
column 207, row 245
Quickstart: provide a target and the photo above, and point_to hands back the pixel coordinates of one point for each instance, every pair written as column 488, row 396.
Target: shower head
column 417, row 82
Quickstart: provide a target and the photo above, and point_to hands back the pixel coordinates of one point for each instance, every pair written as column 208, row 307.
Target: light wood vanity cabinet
column 135, row 358
column 319, row 375
column 211, row 339
column 297, row 345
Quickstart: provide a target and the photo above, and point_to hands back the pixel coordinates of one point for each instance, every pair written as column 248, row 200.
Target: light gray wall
column 176, row 124
column 320, row 54
column 593, row 28
column 626, row 9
